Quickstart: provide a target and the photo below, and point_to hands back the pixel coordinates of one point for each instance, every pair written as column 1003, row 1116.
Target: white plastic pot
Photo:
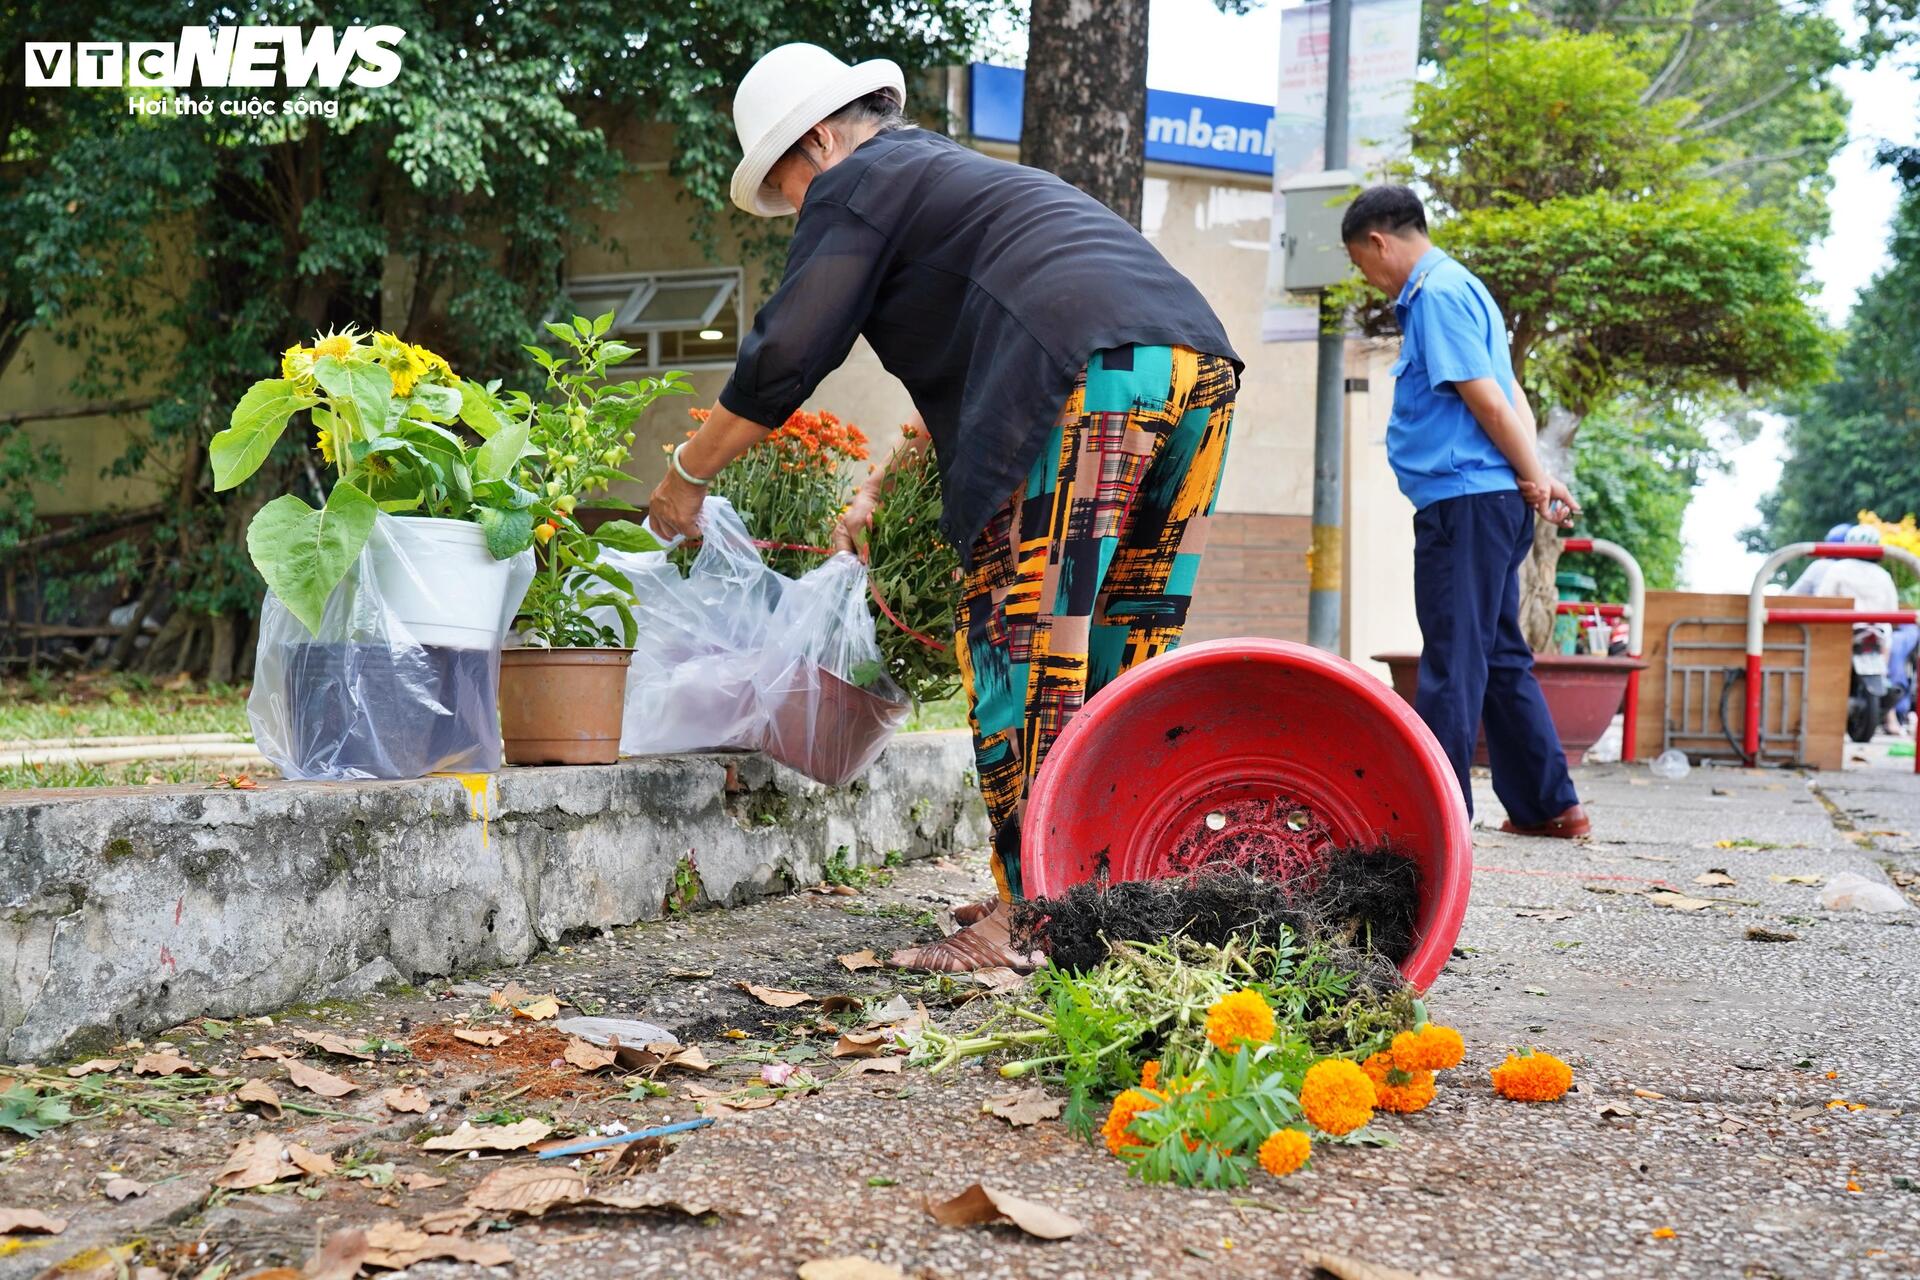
column 438, row 579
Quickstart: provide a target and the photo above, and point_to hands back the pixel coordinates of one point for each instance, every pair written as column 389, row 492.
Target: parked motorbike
column 1870, row 693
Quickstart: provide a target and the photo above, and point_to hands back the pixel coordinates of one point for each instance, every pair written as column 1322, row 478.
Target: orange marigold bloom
column 1284, row 1151
column 1394, row 1087
column 1125, row 1107
column 1237, row 1016
column 1429, row 1048
column 1537, row 1077
column 1337, row 1096
column 1150, row 1074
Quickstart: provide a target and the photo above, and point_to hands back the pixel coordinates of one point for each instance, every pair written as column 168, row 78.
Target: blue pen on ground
column 580, row 1148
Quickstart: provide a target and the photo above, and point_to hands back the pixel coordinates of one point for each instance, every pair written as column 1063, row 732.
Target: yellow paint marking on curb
column 479, row 787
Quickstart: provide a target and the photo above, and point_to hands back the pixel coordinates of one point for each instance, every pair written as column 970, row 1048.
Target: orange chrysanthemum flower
column 1284, row 1151
column 1116, row 1130
column 1537, row 1077
column 1150, row 1074
column 1238, row 1016
column 1429, row 1048
column 1337, row 1096
column 1394, row 1087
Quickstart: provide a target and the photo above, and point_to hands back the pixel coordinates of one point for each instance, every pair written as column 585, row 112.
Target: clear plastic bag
column 691, row 684
column 828, row 703
column 403, row 678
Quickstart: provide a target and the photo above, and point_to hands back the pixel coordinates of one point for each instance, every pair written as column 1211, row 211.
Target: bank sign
column 1208, row 133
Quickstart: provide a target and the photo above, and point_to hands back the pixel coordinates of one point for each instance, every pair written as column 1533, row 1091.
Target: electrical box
column 1315, row 203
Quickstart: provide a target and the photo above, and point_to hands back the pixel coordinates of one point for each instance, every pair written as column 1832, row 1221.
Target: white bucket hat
column 790, row 90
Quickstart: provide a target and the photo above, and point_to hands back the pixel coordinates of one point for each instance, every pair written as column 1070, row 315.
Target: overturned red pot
column 1583, row 692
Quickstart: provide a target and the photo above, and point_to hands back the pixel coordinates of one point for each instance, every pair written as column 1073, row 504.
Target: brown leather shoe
column 1568, row 826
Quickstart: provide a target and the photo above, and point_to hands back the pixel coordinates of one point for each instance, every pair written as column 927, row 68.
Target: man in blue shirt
column 1461, row 441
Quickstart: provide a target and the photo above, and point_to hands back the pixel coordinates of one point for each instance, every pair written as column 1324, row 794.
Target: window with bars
column 674, row 319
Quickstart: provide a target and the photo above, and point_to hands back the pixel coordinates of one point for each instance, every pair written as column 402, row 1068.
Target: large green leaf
column 303, row 553
column 362, row 385
column 625, row 535
column 256, row 424
column 443, row 404
column 508, row 532
column 477, row 409
column 498, row 455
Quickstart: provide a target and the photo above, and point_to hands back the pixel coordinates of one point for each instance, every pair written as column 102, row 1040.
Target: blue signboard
column 1211, row 133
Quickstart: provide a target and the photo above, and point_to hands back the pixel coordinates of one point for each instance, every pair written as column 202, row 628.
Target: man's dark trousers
column 1475, row 666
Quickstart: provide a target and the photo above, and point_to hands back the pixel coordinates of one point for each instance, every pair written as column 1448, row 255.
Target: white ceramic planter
column 438, row 580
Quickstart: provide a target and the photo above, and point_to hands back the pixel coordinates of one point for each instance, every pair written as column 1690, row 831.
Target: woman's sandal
column 984, row 944
column 974, row 912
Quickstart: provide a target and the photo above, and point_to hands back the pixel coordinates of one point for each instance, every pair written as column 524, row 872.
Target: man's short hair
column 1389, row 208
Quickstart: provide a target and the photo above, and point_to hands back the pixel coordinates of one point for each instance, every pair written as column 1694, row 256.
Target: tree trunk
column 1085, row 112
column 226, row 639
column 1538, row 593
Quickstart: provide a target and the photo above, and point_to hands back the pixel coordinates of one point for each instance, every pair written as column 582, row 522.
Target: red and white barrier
column 1635, row 612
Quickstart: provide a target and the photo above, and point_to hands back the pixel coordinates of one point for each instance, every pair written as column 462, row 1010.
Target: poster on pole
column 1384, row 56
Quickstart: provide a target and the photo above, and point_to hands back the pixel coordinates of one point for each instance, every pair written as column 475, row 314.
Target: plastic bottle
column 1671, row 765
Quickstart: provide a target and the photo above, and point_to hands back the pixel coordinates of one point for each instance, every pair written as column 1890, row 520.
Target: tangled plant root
column 1359, row 901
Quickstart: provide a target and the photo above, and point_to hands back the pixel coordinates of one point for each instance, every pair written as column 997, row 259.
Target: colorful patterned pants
column 1089, row 568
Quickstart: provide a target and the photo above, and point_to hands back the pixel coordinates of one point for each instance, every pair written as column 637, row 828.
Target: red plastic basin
column 1237, row 744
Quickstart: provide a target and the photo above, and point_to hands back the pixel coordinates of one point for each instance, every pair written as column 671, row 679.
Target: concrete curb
column 132, row 911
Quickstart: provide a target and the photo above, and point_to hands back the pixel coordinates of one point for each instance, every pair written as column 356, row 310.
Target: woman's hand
column 850, row 530
column 674, row 509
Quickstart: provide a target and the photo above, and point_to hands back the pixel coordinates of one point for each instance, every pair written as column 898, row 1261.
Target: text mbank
column 1195, row 131
column 240, row 57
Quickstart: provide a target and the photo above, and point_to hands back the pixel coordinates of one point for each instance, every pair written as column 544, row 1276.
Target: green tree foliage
column 193, row 249
column 1854, row 444
column 1637, row 474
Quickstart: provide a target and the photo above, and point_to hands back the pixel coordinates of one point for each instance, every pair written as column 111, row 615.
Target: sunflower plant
column 383, row 413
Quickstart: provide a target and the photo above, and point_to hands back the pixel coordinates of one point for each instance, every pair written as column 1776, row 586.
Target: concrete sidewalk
column 1754, row 1098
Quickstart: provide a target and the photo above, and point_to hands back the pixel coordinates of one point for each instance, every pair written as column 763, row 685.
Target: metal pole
column 1325, row 575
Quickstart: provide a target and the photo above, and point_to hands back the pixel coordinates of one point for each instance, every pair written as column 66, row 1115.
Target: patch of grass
column 841, row 869
column 92, row 705
column 935, row 716
column 685, row 889
column 133, row 773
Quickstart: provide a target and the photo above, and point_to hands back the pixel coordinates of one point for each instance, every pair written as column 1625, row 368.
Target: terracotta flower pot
column 827, row 728
column 562, row 706
column 1582, row 693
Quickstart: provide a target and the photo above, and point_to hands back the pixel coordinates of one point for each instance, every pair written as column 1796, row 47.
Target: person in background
column 1461, row 443
column 1900, row 670
column 1808, row 583
column 1078, row 394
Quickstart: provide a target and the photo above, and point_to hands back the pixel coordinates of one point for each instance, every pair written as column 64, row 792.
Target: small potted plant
column 379, row 647
column 562, row 691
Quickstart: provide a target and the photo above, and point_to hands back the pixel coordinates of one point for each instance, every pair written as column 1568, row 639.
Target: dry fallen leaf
column 315, row 1163
column 92, row 1065
column 714, row 1102
column 125, row 1188
column 840, row 1003
column 1757, row 934
column 330, row 1043
column 406, row 1098
column 511, row 994
column 276, row 1052
column 1714, row 878
column 527, row 1189
column 589, row 1057
column 20, row 1221
column 861, row 1044
column 1648, row 1093
column 855, row 961
column 163, row 1063
column 1779, row 879
column 271, row 1273
column 979, row 1204
column 1615, row 1111
column 448, row 1221
column 1678, row 901
column 480, row 1036
column 258, row 1161
column 340, row 1257
column 263, row 1094
column 538, row 1010
column 418, row 1181
column 1027, row 1107
column 848, row 1269
column 314, row 1080
column 886, row 1066
column 998, row 980
column 489, row 1137
column 1344, row 1266
column 773, row 996
column 393, row 1245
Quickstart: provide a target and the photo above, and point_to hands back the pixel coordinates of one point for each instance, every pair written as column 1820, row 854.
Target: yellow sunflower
column 323, row 441
column 339, row 345
column 296, row 364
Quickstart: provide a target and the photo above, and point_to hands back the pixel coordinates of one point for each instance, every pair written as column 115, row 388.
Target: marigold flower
column 1284, row 1151
column 1337, row 1096
column 1237, row 1016
column 1395, row 1088
column 1429, row 1048
column 1150, row 1074
column 1537, row 1077
column 1125, row 1107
